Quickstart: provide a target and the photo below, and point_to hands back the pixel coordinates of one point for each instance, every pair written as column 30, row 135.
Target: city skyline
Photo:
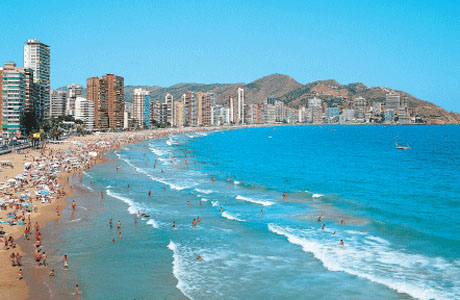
column 240, row 43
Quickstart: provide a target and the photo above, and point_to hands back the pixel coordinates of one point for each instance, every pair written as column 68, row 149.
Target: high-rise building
column 178, row 113
column 190, row 103
column 314, row 110
column 57, row 103
column 240, row 112
column 37, row 58
column 169, row 102
column 107, row 94
column 348, row 115
column 31, row 90
column 231, row 111
column 84, row 110
column 403, row 111
column 141, row 107
column 392, row 101
column 359, row 105
column 204, row 109
column 13, row 94
column 73, row 91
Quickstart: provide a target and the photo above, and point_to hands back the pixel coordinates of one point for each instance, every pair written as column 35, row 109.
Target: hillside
column 295, row 94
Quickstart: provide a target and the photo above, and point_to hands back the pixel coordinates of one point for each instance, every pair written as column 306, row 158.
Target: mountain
column 295, row 94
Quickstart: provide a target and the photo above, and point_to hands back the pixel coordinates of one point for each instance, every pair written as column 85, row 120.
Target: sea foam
column 411, row 274
column 256, row 201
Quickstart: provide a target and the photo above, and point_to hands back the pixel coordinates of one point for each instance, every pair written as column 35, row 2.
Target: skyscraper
column 392, row 102
column 84, row 111
column 73, row 91
column 240, row 112
column 37, row 58
column 57, row 103
column 141, row 107
column 169, row 102
column 107, row 94
column 13, row 94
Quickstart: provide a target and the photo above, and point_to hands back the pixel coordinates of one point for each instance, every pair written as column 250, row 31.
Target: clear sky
column 413, row 46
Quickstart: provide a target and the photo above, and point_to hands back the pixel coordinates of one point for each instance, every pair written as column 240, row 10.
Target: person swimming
column 213, row 178
column 188, row 202
column 199, row 257
column 341, row 242
column 194, row 222
column 342, row 222
column 221, row 209
column 323, row 227
column 198, row 219
column 174, row 224
column 319, row 219
column 150, row 193
column 111, row 223
column 261, row 211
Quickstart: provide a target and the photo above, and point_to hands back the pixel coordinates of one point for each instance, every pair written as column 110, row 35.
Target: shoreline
column 97, row 145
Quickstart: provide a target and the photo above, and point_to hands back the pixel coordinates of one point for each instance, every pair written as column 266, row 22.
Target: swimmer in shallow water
column 188, row 202
column 198, row 219
column 319, row 219
column 221, row 209
column 342, row 222
column 323, row 227
column 194, row 222
column 341, row 242
column 199, row 257
column 174, row 224
column 262, row 211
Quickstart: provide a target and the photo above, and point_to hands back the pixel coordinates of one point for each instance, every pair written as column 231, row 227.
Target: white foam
column 317, row 195
column 236, row 182
column 88, row 187
column 139, row 170
column 153, row 223
column 177, row 269
column 215, row 203
column 75, row 220
column 256, row 201
column 412, row 274
column 204, row 191
column 132, row 207
column 204, row 199
column 229, row 216
column 157, row 151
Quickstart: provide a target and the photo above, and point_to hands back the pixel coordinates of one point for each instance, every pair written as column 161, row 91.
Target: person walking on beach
column 44, row 260
column 65, row 262
column 20, row 274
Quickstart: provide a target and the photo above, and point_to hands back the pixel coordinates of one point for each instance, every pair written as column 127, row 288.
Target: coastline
column 10, row 286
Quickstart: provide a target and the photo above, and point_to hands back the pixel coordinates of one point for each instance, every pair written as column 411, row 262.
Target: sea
column 400, row 211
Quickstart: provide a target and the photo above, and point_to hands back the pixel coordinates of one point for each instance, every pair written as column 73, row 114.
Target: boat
column 270, row 137
column 400, row 147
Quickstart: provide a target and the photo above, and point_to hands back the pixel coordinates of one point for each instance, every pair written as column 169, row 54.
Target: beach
column 35, row 183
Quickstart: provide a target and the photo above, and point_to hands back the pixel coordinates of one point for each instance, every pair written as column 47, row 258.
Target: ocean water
column 401, row 210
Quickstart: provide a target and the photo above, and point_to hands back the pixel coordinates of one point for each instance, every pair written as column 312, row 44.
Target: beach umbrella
column 43, row 192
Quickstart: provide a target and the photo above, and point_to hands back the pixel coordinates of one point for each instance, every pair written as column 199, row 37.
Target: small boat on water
column 270, row 137
column 401, row 147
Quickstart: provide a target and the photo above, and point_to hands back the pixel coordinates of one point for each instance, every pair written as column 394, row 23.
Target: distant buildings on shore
column 27, row 103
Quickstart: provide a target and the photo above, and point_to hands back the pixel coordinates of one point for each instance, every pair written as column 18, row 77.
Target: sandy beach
column 34, row 186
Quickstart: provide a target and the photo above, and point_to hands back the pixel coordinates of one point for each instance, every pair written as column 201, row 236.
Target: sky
column 413, row 46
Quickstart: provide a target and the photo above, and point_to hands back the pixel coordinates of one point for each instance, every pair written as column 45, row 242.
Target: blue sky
column 413, row 46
